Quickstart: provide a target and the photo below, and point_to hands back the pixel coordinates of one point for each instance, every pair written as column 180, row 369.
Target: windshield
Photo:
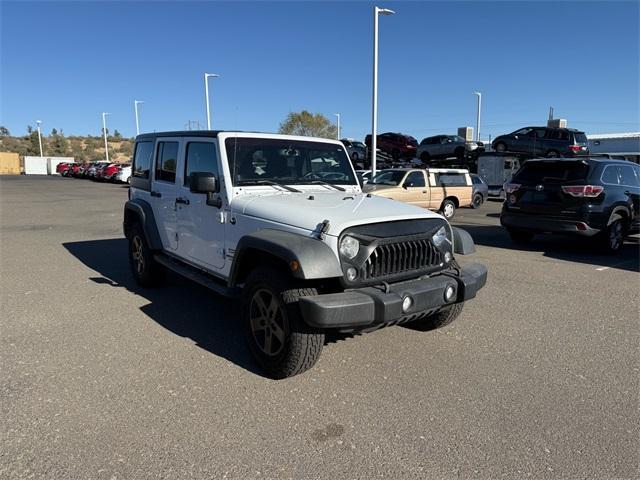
column 388, row 177
column 290, row 162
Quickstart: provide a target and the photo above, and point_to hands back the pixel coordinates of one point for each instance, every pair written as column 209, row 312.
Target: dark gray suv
column 543, row 141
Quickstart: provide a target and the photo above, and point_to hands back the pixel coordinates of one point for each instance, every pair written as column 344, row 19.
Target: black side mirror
column 207, row 183
column 407, row 184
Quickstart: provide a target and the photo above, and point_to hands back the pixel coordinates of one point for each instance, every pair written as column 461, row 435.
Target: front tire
column 439, row 319
column 477, row 201
column 146, row 271
column 280, row 341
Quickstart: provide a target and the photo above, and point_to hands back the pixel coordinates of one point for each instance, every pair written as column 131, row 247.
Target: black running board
column 198, row 276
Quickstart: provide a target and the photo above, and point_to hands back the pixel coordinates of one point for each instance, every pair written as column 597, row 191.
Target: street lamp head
column 207, row 75
column 477, row 93
column 385, row 11
column 38, row 122
column 138, row 102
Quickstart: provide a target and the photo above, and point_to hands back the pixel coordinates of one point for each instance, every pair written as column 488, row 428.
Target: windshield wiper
column 322, row 182
column 268, row 182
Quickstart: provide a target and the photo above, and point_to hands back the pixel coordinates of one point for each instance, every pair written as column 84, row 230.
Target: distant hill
column 82, row 148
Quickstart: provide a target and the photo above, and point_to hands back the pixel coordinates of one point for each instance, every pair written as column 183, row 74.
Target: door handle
column 184, row 201
column 156, row 194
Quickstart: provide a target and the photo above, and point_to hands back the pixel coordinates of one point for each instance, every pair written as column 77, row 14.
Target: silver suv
column 280, row 223
column 446, row 146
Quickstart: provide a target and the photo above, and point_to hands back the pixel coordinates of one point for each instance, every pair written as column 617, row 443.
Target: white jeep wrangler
column 281, row 222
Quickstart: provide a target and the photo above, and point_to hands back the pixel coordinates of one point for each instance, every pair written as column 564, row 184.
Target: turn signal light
column 589, row 191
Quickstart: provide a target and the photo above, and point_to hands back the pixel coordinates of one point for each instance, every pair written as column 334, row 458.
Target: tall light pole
column 374, row 121
column 206, row 96
column 478, row 117
column 338, row 133
column 104, row 133
column 38, row 122
column 135, row 107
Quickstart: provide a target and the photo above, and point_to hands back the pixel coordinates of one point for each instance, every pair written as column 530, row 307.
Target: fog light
column 352, row 273
column 407, row 303
column 447, row 257
column 449, row 293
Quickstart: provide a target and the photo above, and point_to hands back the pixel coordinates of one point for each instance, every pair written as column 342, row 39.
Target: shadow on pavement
column 571, row 249
column 182, row 307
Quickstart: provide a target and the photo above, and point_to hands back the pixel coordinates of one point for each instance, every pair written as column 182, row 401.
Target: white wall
column 44, row 165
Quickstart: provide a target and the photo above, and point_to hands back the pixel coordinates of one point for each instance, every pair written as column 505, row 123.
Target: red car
column 62, row 168
column 396, row 144
column 108, row 172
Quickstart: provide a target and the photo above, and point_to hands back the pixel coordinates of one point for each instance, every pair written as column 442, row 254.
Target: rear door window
column 580, row 137
column 552, row 172
column 166, row 161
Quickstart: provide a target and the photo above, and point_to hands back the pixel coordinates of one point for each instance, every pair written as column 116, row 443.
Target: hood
column 383, row 190
column 341, row 209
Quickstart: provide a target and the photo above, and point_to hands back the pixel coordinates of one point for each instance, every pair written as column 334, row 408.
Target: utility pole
column 104, row 132
column 135, row 107
column 38, row 122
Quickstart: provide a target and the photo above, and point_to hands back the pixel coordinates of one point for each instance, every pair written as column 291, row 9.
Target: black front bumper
column 372, row 306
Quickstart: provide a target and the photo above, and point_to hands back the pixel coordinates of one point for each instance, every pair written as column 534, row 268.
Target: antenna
column 550, row 113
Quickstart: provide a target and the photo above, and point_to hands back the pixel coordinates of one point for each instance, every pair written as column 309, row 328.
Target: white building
column 626, row 145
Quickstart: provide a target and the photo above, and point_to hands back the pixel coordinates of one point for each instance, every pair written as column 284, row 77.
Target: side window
column 627, row 177
column 142, row 159
column 451, row 180
column 416, row 179
column 563, row 135
column 201, row 157
column 166, row 160
column 540, row 133
column 610, row 175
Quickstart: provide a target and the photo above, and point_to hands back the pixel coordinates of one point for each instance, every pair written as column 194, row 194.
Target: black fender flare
column 143, row 211
column 308, row 258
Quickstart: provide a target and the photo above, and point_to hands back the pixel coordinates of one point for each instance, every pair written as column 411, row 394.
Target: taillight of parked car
column 576, row 148
column 588, row 191
column 511, row 187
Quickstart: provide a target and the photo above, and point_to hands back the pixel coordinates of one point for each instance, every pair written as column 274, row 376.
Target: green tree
column 58, row 144
column 4, row 132
column 33, row 145
column 117, row 135
column 308, row 124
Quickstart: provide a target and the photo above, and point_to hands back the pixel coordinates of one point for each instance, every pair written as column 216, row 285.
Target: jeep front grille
column 395, row 258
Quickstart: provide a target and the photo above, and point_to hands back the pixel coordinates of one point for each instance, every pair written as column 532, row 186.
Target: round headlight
column 440, row 237
column 349, row 247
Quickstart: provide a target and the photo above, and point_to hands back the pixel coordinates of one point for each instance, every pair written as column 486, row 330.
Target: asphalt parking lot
column 538, row 378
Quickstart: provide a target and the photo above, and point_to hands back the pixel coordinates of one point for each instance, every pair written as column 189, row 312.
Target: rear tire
column 612, row 239
column 144, row 268
column 439, row 319
column 501, row 147
column 477, row 201
column 280, row 341
column 448, row 208
column 520, row 237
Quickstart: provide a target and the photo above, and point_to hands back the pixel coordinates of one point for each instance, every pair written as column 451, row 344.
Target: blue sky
column 65, row 62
